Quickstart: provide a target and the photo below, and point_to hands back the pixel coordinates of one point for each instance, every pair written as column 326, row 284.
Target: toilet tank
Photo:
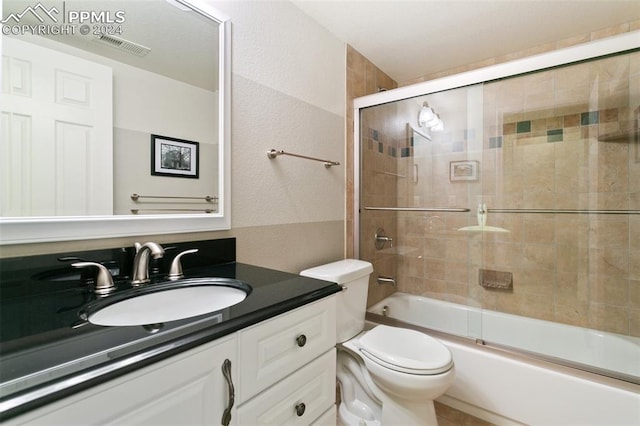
column 353, row 275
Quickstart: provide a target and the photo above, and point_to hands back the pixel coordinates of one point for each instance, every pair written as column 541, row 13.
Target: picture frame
column 463, row 171
column 174, row 157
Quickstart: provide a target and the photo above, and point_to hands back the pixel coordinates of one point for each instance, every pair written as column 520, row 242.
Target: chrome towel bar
column 208, row 198
column 418, row 209
column 327, row 163
column 529, row 211
column 563, row 211
column 136, row 211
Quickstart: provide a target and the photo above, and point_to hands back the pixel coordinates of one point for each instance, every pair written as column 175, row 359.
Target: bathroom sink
column 168, row 301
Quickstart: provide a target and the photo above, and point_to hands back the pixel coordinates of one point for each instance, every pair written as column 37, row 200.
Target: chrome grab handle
column 226, row 372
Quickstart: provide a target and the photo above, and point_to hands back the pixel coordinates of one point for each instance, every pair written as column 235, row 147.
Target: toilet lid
column 405, row 350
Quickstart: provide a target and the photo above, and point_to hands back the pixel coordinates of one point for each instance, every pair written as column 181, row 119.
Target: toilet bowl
column 387, row 375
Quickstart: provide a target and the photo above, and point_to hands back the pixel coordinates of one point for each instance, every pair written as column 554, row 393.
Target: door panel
column 57, row 136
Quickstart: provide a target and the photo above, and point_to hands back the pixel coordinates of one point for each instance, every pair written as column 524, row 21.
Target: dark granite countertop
column 48, row 352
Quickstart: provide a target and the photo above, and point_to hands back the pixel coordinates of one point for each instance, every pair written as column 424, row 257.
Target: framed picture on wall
column 174, row 157
column 466, row 170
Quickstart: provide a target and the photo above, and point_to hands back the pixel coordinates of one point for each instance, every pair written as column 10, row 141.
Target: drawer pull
column 301, row 340
column 300, row 409
column 226, row 372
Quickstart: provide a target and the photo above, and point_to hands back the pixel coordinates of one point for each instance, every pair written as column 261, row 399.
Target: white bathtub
column 509, row 389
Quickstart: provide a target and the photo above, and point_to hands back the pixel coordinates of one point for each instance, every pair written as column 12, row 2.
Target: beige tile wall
column 363, row 78
column 575, row 269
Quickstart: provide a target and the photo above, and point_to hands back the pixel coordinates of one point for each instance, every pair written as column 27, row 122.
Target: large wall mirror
column 115, row 119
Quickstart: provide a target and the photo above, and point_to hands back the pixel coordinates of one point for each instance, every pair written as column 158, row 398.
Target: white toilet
column 387, row 375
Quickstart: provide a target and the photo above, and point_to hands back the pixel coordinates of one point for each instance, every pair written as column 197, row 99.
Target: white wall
column 147, row 103
column 288, row 92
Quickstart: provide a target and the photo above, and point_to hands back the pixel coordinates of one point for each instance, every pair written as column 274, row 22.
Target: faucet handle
column 104, row 281
column 175, row 270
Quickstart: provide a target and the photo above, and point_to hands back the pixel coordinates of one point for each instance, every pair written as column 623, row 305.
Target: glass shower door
column 420, row 173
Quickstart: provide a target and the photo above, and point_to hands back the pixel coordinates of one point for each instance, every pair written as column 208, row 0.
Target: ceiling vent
column 124, row 45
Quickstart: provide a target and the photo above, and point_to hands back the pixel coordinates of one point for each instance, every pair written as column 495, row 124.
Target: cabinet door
column 273, row 349
column 188, row 389
column 299, row 399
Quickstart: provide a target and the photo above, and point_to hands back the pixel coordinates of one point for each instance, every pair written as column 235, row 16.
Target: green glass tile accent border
column 591, row 117
column 523, row 126
column 555, row 135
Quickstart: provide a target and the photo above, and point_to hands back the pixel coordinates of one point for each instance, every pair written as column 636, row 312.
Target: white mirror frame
column 68, row 228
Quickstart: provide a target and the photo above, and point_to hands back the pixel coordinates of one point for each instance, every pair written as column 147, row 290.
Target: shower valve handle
column 381, row 239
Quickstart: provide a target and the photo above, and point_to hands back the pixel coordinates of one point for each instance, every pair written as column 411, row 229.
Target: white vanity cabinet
column 185, row 389
column 283, row 371
column 287, row 369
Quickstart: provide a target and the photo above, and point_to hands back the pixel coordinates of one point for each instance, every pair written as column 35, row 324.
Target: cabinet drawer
column 273, row 349
column 314, row 385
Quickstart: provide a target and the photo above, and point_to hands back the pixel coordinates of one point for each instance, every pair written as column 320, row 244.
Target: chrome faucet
column 141, row 261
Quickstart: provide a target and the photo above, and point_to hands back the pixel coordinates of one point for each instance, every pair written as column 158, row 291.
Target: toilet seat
column 405, row 351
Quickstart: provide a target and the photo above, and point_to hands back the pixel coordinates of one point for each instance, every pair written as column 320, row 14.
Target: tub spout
column 387, row 280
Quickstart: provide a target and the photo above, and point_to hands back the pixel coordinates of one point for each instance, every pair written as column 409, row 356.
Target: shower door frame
column 608, row 46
